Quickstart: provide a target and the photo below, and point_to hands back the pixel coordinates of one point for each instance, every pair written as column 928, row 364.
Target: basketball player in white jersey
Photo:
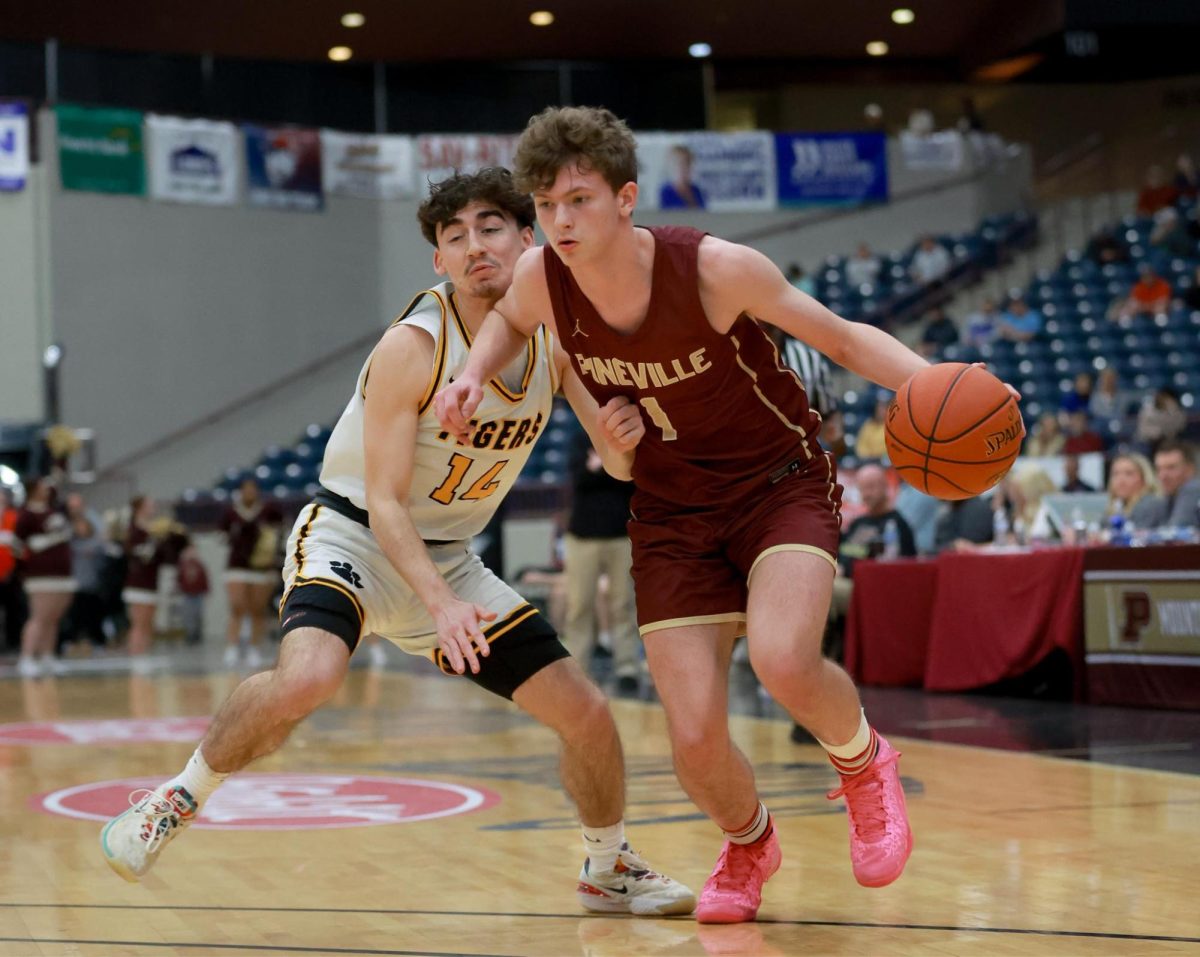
column 383, row 549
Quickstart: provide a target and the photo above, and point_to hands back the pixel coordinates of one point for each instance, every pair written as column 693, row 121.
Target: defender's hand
column 455, row 405
column 459, row 633
column 621, row 422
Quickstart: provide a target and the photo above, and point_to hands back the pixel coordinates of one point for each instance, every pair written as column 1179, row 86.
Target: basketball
column 953, row 430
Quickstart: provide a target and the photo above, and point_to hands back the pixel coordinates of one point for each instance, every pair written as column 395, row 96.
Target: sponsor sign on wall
column 370, row 167
column 283, row 168
column 193, row 161
column 100, row 150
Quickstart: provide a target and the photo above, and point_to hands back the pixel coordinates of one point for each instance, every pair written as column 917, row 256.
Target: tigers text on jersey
column 456, row 488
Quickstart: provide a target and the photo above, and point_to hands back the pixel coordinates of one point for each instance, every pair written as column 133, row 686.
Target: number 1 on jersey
column 659, row 418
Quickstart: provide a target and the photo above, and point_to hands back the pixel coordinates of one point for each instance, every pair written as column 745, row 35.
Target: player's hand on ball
column 621, row 422
column 455, row 405
column 459, row 634
column 1012, row 391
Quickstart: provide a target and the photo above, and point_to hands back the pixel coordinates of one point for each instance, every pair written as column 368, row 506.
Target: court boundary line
column 866, row 925
column 276, row 948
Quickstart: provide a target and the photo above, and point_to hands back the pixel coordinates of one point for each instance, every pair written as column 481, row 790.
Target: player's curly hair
column 492, row 184
column 591, row 136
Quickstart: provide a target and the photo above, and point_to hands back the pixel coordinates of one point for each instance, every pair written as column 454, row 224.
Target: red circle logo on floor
column 286, row 802
column 104, row 731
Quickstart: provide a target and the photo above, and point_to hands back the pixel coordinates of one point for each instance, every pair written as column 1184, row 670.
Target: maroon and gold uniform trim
column 779, row 414
column 496, row 382
column 523, row 612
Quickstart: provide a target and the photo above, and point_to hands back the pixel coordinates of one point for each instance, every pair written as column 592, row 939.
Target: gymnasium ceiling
column 403, row 30
column 950, row 39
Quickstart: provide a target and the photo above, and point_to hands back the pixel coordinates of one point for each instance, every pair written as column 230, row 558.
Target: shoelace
column 163, row 810
column 638, row 869
column 864, row 800
column 733, row 870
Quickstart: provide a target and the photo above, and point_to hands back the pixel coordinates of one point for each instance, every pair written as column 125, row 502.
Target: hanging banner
column 100, row 150
column 441, row 156
column 192, row 161
column 720, row 172
column 371, row 167
column 831, row 168
column 283, row 168
column 14, row 146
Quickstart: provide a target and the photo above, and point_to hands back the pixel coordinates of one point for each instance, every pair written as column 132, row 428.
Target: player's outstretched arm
column 400, row 371
column 615, row 429
column 736, row 279
column 504, row 333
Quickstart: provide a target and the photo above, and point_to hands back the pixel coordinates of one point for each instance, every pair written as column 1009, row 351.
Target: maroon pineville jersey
column 723, row 416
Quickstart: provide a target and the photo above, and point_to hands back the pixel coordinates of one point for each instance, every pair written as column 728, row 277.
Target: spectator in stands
column 940, row 331
column 1178, row 505
column 1107, row 247
column 921, row 513
column 1160, row 419
column 1150, row 295
column 869, row 444
column 963, row 524
column 802, row 281
column 1019, row 500
column 866, row 536
column 597, row 544
column 192, row 581
column 863, row 267
column 1080, row 396
column 983, row 324
column 1047, row 438
column 1081, row 437
column 1071, row 481
column 931, row 262
column 1108, row 400
column 1019, row 323
column 1186, row 181
column 44, row 532
column 1169, row 234
column 1191, row 295
column 12, row 595
column 1155, row 193
column 1132, row 489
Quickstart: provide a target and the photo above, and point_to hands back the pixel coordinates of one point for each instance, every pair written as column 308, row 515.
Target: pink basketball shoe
column 880, row 838
column 733, row 892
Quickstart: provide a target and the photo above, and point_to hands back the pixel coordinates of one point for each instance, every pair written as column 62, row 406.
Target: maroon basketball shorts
column 692, row 567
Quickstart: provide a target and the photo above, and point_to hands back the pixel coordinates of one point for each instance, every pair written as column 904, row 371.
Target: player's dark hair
column 492, row 185
column 591, row 136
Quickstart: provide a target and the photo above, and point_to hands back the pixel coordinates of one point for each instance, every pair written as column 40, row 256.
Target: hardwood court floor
column 1015, row 853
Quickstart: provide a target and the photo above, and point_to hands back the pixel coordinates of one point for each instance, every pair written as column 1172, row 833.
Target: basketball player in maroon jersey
column 735, row 518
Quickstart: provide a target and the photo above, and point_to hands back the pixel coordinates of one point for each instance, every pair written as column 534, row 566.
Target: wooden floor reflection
column 1015, row 853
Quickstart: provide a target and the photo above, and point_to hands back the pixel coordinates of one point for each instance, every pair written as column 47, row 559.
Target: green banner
column 100, row 150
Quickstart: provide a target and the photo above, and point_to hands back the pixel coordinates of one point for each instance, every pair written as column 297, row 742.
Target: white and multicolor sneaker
column 133, row 840
column 631, row 887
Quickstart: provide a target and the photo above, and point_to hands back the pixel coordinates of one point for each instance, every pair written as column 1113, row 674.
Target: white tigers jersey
column 455, row 488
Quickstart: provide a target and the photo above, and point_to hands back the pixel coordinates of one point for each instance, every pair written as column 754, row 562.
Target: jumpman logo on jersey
column 579, row 332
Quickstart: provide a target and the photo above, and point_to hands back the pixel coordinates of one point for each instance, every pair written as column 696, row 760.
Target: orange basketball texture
column 953, row 430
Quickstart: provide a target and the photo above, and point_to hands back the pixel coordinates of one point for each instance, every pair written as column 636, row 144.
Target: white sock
column 755, row 828
column 198, row 779
column 603, row 844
